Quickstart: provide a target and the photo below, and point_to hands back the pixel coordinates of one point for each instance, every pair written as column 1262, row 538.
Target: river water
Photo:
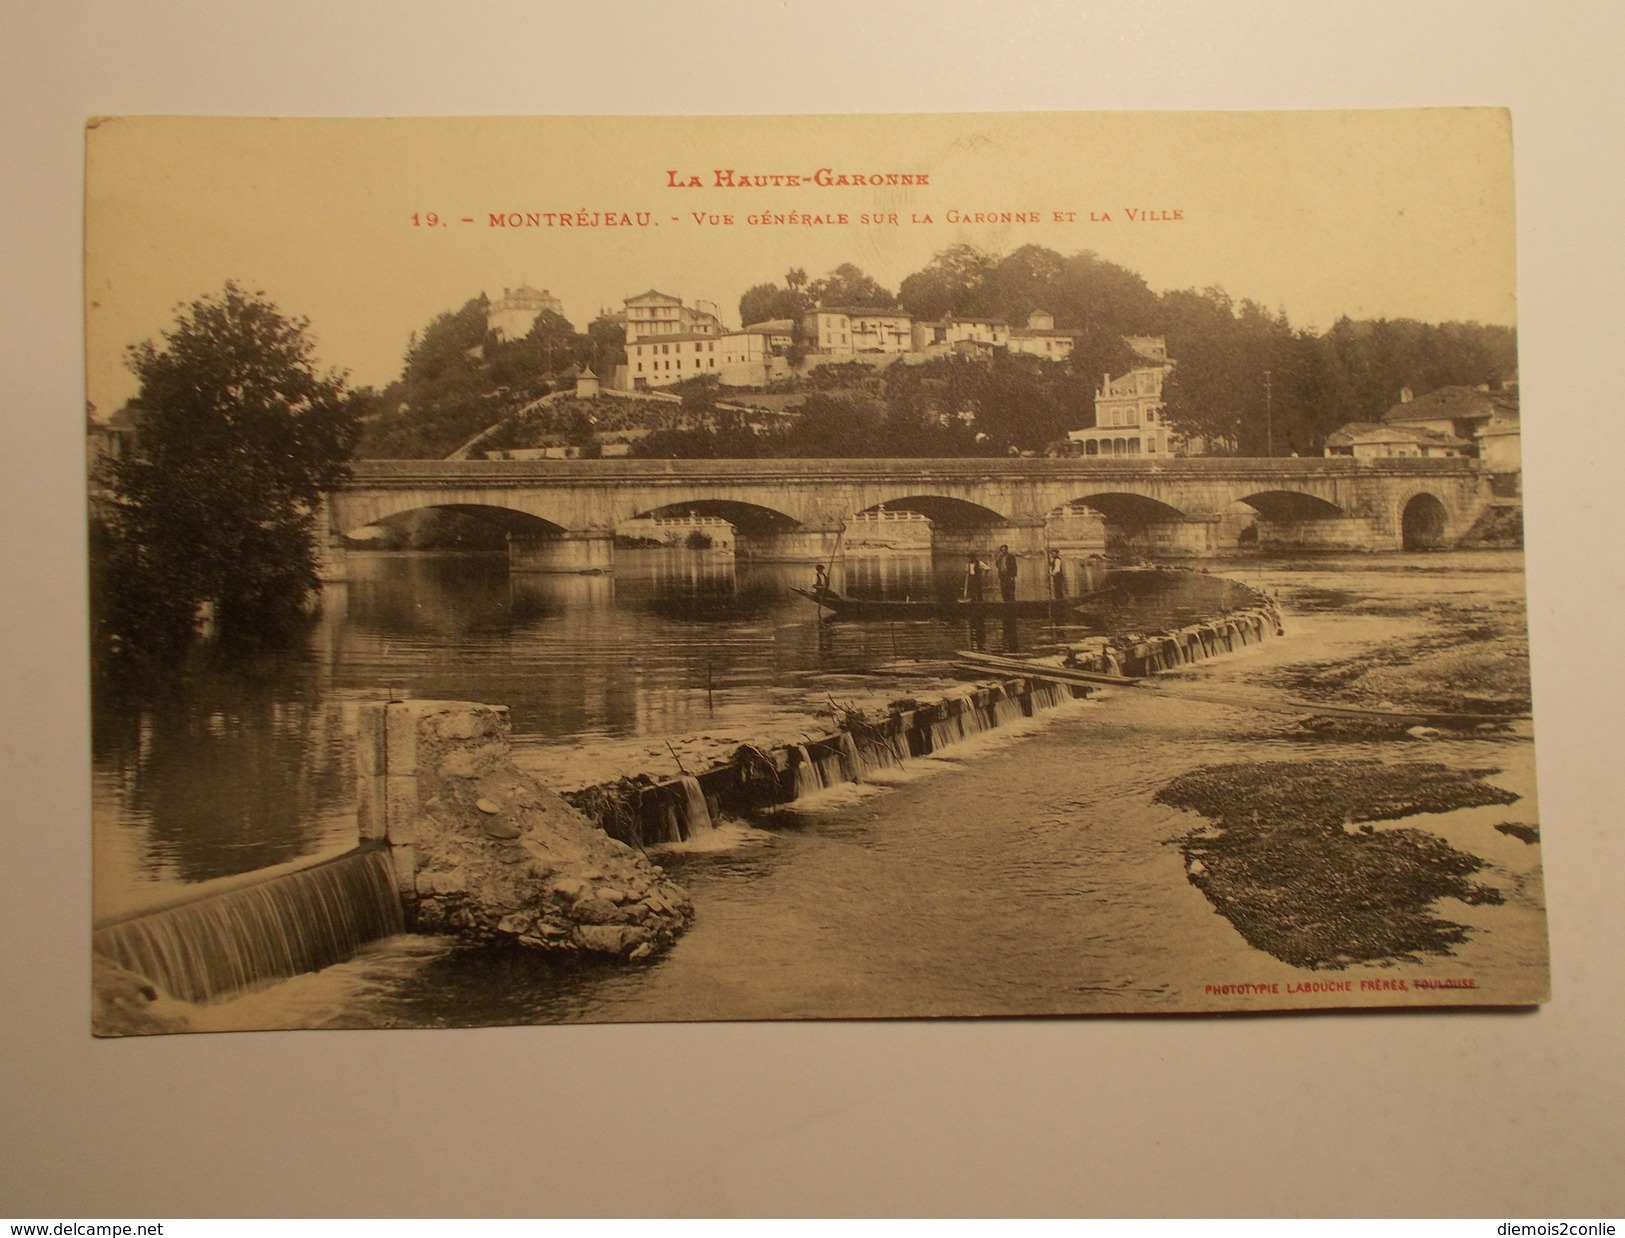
column 1026, row 871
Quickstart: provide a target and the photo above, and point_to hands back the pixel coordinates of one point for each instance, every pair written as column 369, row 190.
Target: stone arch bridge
column 561, row 515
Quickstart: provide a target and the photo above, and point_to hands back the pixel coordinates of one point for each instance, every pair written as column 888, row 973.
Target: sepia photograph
column 602, row 570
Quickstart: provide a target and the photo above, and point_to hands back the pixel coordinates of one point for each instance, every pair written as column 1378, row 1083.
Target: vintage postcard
column 712, row 568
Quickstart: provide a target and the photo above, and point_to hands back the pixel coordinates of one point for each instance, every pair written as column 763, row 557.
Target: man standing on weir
column 975, row 577
column 1005, row 564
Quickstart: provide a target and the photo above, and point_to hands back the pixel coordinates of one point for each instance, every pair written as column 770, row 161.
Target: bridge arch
column 747, row 518
column 1127, row 508
column 944, row 511
column 1138, row 525
column 350, row 513
column 508, row 521
column 1424, row 522
column 1291, row 505
column 957, row 525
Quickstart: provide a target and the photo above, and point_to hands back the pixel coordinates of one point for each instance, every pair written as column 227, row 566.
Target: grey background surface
column 1496, row 1115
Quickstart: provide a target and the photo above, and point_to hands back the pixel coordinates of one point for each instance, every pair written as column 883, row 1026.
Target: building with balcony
column 879, row 330
column 1128, row 409
column 654, row 314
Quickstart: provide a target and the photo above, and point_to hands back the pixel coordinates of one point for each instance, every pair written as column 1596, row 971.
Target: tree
column 239, row 437
column 1025, row 281
column 837, row 427
column 766, row 302
column 445, row 352
column 849, row 286
column 1239, row 381
column 608, row 342
column 953, row 283
column 758, row 303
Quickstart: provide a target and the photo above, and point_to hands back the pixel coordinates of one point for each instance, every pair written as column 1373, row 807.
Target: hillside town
column 1076, row 363
column 668, row 342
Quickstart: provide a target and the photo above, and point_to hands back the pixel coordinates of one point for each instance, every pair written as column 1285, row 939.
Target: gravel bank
column 1289, row 863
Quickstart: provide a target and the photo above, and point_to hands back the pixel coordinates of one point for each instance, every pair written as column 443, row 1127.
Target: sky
column 1398, row 213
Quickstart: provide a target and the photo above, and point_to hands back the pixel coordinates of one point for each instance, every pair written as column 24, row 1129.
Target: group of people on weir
column 1004, row 566
column 976, row 574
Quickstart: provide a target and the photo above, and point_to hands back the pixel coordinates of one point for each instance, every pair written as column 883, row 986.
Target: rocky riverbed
column 1295, row 863
column 1465, row 655
column 1298, row 856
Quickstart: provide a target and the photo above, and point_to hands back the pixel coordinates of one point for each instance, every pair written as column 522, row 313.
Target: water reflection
column 428, row 596
column 900, row 575
column 703, row 586
column 231, row 773
column 1161, row 600
column 239, row 771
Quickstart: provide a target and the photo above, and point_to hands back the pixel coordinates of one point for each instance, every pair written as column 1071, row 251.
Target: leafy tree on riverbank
column 238, row 437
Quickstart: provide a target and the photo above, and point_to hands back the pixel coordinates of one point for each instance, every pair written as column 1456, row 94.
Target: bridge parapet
column 508, row 472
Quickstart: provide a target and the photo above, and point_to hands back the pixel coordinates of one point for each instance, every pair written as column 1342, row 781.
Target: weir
column 807, row 778
column 757, row 780
column 264, row 931
column 1164, row 651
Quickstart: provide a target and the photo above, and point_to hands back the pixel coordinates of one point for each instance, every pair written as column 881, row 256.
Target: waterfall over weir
column 809, row 777
column 698, row 814
column 269, row 930
column 675, row 810
column 683, row 811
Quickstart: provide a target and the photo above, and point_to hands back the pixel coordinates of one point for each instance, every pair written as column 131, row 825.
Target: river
column 1027, row 871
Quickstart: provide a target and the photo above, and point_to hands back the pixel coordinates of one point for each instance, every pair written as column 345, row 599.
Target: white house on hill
column 661, row 360
column 1039, row 338
column 514, row 313
column 1128, row 409
column 655, row 314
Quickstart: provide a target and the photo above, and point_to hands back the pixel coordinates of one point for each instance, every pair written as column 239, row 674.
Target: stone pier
column 798, row 546
column 1077, row 533
column 1324, row 533
column 479, row 848
column 332, row 559
column 566, row 552
column 1193, row 537
column 1025, row 540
